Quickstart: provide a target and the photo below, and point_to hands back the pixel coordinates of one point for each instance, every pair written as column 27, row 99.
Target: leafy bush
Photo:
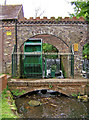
column 49, row 48
column 86, row 50
column 17, row 92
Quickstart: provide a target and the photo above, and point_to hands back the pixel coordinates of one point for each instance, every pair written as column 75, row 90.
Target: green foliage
column 86, row 50
column 58, row 19
column 81, row 9
column 74, row 95
column 79, row 93
column 50, row 85
column 6, row 110
column 17, row 92
column 1, row 74
column 53, row 18
column 50, row 49
column 47, row 47
column 87, row 85
column 53, row 67
column 4, row 93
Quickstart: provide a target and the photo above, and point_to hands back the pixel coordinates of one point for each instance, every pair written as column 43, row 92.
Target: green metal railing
column 72, row 66
column 32, row 65
column 30, row 62
column 14, row 62
column 72, row 61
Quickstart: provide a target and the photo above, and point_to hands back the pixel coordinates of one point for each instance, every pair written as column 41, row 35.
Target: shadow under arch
column 44, row 91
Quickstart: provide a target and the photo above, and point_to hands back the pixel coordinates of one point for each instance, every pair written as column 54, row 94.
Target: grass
column 5, row 108
column 6, row 111
column 1, row 74
column 5, row 73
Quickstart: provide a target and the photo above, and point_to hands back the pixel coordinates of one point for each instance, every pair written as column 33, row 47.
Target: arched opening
column 49, row 51
column 55, row 51
column 40, row 60
column 44, row 92
column 46, row 47
column 56, row 41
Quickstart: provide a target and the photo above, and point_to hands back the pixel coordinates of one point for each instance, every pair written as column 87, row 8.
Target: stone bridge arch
column 66, row 87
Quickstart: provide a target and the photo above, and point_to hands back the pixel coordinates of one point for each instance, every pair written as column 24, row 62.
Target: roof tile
column 9, row 11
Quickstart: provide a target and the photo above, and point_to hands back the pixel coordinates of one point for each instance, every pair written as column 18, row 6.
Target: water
column 53, row 106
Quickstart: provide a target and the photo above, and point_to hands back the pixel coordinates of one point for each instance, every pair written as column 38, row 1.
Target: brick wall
column 67, row 87
column 8, row 46
column 62, row 34
column 3, row 82
column 1, row 51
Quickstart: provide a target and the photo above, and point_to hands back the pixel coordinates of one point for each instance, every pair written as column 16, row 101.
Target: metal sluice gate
column 33, row 62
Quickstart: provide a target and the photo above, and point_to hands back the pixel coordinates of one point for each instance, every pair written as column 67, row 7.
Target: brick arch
column 54, row 40
column 68, row 34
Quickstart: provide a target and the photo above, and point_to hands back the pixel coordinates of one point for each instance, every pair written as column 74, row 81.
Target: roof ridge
column 12, row 5
column 10, row 11
column 19, row 10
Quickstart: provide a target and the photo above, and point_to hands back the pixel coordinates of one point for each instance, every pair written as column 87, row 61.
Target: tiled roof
column 10, row 11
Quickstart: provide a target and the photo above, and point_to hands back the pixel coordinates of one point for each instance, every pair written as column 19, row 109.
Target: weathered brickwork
column 61, row 34
column 66, row 87
column 3, row 82
column 1, row 49
column 8, row 45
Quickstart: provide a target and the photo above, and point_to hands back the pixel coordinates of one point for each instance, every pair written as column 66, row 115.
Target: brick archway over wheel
column 61, row 34
column 61, row 45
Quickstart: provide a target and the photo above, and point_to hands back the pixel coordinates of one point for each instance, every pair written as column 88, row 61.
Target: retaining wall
column 3, row 82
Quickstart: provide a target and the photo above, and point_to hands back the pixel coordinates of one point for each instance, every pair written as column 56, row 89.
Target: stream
column 53, row 106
